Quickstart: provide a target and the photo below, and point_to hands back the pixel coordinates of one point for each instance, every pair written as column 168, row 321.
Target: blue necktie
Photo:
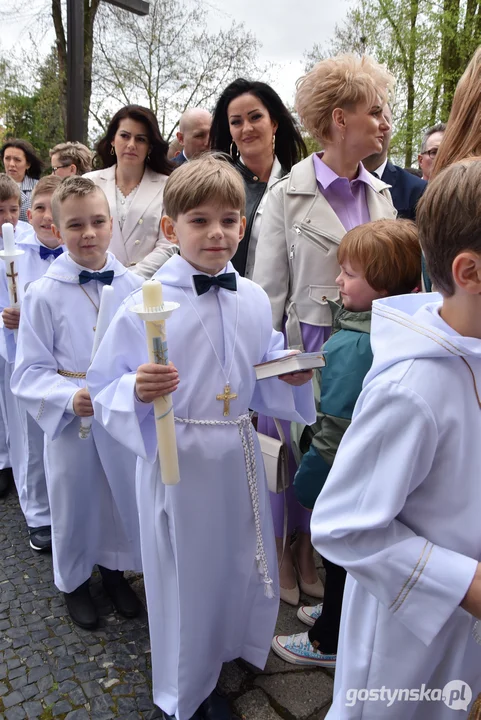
column 104, row 277
column 46, row 252
column 203, row 283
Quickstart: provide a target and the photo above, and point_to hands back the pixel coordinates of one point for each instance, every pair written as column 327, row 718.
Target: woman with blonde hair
column 340, row 103
column 462, row 138
column 70, row 158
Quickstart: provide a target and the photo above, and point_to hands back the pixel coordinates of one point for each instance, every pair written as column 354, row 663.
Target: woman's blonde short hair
column 74, row 153
column 342, row 81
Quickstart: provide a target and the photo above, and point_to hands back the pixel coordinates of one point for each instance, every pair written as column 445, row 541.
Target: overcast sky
column 287, row 29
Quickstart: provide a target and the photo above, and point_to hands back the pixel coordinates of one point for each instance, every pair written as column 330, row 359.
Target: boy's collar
column 177, row 271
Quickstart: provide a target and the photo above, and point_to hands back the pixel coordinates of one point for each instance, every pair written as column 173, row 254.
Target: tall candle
column 163, row 409
column 8, row 239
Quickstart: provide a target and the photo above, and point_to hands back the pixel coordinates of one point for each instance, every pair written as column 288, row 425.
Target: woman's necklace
column 95, row 306
column 226, row 396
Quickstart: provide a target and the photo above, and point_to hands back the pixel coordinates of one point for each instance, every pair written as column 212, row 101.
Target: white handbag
column 275, row 454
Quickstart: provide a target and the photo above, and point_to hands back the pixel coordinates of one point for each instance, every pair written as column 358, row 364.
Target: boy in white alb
column 208, row 547
column 40, row 248
column 90, row 481
column 10, row 200
column 401, row 508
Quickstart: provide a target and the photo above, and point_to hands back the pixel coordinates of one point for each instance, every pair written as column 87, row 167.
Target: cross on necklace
column 227, row 396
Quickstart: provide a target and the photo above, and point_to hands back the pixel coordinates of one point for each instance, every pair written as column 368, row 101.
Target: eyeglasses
column 432, row 153
column 54, row 169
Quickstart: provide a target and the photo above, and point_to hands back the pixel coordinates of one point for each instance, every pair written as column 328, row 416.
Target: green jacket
column 348, row 359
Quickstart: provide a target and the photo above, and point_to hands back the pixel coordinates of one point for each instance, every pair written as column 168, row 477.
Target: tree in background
column 425, row 44
column 168, row 60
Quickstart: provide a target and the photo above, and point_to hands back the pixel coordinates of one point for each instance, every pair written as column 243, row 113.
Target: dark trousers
column 326, row 628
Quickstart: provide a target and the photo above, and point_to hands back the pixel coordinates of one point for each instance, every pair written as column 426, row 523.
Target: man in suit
column 429, row 148
column 193, row 134
column 406, row 189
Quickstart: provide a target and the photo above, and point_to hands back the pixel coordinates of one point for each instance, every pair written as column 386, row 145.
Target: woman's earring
column 233, row 150
column 274, row 144
column 112, row 150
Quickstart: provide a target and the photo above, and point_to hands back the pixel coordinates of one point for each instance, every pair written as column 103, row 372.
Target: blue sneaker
column 308, row 614
column 297, row 649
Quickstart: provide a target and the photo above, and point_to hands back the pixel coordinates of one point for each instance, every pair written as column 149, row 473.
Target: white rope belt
column 246, row 433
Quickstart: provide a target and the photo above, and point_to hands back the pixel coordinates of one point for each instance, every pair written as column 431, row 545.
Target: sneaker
column 41, row 538
column 297, row 649
column 308, row 614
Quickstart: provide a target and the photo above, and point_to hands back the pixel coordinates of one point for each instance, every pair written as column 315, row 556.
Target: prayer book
column 290, row 364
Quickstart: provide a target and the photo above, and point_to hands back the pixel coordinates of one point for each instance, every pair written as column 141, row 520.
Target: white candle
column 8, row 239
column 152, row 294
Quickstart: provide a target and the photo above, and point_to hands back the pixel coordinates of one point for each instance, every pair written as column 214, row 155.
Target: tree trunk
column 450, row 55
column 61, row 43
column 410, row 75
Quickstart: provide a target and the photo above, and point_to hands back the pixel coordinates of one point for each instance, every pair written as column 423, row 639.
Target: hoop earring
column 233, row 150
column 274, row 144
column 112, row 150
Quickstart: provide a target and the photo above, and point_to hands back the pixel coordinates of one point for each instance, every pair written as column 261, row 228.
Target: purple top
column 346, row 198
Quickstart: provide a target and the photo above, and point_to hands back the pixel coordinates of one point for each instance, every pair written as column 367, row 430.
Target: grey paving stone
column 61, row 707
column 301, row 694
column 13, row 698
column 254, row 705
column 80, row 714
column 15, row 713
column 33, row 709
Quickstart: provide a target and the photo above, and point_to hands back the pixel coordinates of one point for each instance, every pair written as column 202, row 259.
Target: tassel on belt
column 68, row 374
column 246, row 433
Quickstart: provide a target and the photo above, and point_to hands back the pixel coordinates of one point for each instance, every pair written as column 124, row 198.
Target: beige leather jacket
column 296, row 256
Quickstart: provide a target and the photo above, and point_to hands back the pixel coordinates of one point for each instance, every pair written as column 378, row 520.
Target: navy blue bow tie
column 104, row 277
column 203, row 283
column 46, row 252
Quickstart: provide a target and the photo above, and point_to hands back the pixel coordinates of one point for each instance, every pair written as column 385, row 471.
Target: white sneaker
column 308, row 614
column 298, row 650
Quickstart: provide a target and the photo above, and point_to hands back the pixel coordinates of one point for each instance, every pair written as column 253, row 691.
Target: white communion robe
column 26, row 437
column 90, row 482
column 205, row 596
column 20, row 229
column 401, row 511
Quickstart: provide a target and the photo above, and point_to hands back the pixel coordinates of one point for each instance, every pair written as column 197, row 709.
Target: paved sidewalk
column 51, row 669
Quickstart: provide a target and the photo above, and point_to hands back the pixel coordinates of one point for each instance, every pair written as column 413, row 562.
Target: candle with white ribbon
column 106, row 313
column 9, row 254
column 154, row 312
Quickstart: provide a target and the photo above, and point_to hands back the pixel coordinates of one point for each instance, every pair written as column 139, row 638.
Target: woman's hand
column 11, row 318
column 154, row 381
column 297, row 378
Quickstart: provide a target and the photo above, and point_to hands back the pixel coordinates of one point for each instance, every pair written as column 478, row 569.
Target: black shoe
column 6, row 478
column 81, row 607
column 41, row 538
column 215, row 707
column 196, row 716
column 118, row 589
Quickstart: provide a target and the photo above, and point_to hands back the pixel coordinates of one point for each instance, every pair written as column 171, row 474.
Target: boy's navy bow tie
column 46, row 252
column 203, row 283
column 104, row 277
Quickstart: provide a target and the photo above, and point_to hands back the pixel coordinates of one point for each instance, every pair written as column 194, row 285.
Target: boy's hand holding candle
column 11, row 318
column 155, row 381
column 82, row 404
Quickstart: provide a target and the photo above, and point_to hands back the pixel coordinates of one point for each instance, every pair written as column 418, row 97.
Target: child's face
column 208, row 236
column 85, row 227
column 9, row 212
column 356, row 293
column 40, row 218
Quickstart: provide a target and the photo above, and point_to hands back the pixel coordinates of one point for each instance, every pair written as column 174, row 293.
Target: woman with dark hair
column 133, row 156
column 253, row 125
column 23, row 165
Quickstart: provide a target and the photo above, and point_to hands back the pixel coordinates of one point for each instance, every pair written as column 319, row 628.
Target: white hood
column 407, row 327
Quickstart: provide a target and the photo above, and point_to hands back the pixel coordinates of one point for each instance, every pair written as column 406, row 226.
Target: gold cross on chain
column 227, row 396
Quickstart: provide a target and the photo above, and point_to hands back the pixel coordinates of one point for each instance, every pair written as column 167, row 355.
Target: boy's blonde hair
column 9, row 189
column 74, row 186
column 387, row 252
column 343, row 81
column 448, row 217
column 210, row 178
column 74, row 153
column 46, row 186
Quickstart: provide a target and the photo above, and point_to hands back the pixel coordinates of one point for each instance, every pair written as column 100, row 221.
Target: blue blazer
column 180, row 159
column 406, row 190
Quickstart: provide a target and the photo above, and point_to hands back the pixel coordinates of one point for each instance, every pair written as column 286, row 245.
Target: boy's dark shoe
column 6, row 479
column 40, row 538
column 81, row 607
column 215, row 707
column 118, row 589
column 197, row 716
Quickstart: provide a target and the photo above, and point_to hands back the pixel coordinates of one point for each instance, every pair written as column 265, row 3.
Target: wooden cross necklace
column 227, row 395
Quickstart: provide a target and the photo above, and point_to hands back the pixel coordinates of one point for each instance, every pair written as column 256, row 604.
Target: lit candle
column 8, row 239
column 163, row 409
